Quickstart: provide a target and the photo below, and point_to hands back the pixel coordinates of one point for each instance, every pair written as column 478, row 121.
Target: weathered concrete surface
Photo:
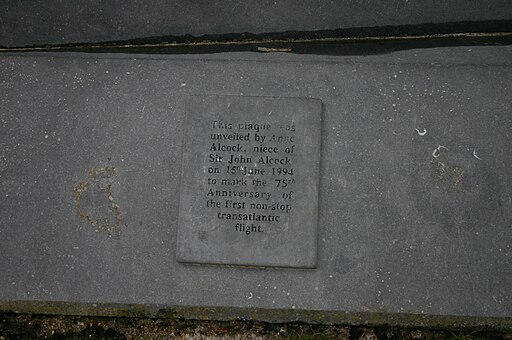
column 59, row 22
column 400, row 230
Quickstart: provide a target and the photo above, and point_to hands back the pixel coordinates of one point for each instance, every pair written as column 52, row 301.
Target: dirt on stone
column 30, row 326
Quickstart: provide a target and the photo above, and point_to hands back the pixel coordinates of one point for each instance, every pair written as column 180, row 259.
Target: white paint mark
column 421, row 133
column 250, row 296
column 435, row 153
column 475, row 155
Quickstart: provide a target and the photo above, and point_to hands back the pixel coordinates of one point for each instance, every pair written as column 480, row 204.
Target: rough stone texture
column 399, row 230
column 59, row 22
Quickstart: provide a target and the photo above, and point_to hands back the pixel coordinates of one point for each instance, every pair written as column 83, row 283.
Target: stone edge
column 155, row 311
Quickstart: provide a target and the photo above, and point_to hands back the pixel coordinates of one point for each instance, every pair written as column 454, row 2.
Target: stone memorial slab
column 104, row 168
column 249, row 186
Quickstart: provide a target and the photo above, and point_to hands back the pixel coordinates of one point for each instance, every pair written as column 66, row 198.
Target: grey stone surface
column 399, row 230
column 59, row 22
column 249, row 185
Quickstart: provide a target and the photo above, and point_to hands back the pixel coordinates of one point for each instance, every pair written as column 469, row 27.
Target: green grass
column 465, row 336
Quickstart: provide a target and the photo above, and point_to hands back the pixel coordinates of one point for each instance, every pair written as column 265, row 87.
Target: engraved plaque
column 249, row 186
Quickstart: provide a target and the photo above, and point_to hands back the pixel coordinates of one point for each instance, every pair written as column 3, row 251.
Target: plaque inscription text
column 249, row 192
